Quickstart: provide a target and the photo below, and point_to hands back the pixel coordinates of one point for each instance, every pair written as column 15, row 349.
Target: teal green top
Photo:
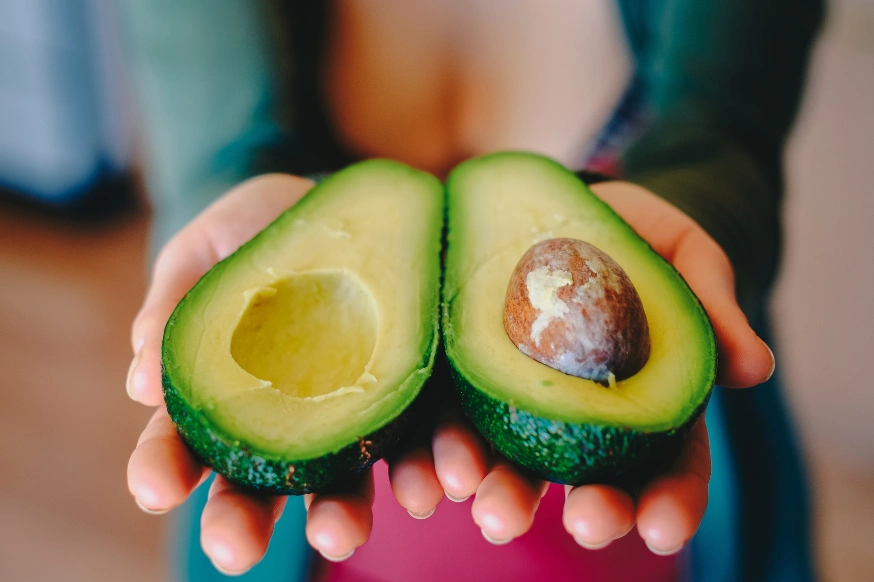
column 227, row 90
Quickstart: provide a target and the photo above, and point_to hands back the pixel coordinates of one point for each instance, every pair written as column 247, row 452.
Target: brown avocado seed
column 572, row 307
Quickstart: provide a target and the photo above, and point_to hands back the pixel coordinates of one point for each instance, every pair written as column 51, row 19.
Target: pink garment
column 449, row 546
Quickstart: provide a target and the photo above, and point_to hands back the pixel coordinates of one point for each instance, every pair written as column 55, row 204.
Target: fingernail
column 626, row 532
column 130, row 373
column 457, row 499
column 150, row 511
column 229, row 572
column 599, row 545
column 423, row 515
column 138, row 345
column 773, row 359
column 492, row 540
column 664, row 552
column 590, row 546
column 336, row 558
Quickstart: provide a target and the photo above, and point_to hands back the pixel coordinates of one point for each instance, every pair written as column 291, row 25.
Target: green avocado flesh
column 565, row 429
column 292, row 364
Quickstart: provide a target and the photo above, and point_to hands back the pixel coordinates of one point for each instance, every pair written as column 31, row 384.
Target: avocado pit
column 570, row 306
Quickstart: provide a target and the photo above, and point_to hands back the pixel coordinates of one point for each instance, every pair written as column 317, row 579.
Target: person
column 688, row 101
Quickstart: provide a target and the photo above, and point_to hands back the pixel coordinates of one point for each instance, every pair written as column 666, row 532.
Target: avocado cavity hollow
column 311, row 335
column 570, row 306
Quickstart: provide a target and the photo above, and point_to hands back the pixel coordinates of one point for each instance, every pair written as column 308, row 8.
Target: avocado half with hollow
column 292, row 364
column 564, row 428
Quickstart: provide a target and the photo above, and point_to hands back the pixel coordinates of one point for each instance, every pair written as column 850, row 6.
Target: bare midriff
column 431, row 83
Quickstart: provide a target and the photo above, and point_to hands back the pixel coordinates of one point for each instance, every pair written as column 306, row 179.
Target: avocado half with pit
column 564, row 428
column 292, row 364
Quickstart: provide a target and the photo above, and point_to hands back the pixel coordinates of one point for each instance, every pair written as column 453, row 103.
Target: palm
column 237, row 526
column 670, row 507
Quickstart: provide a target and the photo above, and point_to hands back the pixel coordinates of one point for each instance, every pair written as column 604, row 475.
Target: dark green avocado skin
column 572, row 454
column 265, row 474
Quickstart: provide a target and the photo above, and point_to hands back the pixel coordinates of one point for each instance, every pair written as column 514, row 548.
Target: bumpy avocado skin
column 265, row 474
column 568, row 453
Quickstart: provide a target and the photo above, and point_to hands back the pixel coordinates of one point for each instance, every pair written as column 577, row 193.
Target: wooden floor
column 67, row 295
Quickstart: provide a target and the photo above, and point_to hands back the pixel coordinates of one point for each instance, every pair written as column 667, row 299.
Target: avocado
column 564, row 428
column 570, row 306
column 293, row 363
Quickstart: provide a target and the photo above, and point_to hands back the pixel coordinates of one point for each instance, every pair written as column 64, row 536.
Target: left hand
column 670, row 507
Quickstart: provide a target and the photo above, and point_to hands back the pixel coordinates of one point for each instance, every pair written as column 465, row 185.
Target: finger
column 178, row 267
column 236, row 526
column 340, row 522
column 414, row 482
column 660, row 226
column 595, row 515
column 671, row 507
column 246, row 209
column 505, row 503
column 162, row 472
column 461, row 457
column 213, row 235
column 744, row 359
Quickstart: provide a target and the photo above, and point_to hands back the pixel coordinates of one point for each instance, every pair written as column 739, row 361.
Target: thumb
column 178, row 267
column 744, row 359
column 214, row 234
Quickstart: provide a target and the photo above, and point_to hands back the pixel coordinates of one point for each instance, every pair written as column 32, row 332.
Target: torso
column 430, row 83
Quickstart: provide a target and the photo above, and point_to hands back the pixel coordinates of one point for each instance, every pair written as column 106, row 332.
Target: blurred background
column 73, row 234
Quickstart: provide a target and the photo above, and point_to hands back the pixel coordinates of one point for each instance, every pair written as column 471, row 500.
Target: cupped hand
column 669, row 508
column 236, row 525
column 162, row 472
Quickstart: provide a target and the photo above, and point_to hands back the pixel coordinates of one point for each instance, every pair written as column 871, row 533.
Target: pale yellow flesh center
column 309, row 335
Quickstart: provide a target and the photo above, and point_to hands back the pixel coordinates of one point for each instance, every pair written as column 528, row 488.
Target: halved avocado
column 292, row 364
column 564, row 428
